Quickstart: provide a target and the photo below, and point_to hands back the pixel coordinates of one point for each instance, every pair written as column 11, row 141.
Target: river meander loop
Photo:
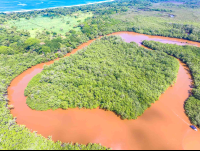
column 163, row 126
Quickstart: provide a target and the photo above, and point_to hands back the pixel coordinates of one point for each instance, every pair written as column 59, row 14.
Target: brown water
column 163, row 126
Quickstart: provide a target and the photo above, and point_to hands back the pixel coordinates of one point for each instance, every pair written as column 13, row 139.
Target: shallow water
column 23, row 5
column 163, row 126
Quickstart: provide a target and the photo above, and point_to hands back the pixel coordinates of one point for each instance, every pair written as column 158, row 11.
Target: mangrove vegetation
column 110, row 74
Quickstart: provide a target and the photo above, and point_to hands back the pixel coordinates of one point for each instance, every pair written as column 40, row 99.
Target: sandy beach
column 8, row 12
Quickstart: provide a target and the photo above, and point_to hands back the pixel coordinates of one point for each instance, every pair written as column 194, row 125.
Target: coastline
column 8, row 12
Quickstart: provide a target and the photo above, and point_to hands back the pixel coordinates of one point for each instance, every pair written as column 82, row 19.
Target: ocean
column 24, row 5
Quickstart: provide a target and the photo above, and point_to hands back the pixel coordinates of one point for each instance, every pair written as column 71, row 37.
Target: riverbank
column 164, row 122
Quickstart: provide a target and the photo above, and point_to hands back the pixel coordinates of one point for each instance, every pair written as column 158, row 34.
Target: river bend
column 163, row 126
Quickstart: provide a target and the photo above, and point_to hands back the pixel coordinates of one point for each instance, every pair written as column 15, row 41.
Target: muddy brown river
column 163, row 126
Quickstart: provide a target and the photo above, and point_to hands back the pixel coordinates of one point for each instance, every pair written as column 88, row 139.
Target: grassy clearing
column 158, row 19
column 57, row 24
column 183, row 15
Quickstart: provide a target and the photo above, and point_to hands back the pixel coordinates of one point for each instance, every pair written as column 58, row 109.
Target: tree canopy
column 110, row 73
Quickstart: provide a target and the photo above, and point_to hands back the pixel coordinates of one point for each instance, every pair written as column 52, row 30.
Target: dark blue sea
column 22, row 5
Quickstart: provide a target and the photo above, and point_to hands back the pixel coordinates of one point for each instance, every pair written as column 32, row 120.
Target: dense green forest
column 191, row 56
column 15, row 42
column 110, row 73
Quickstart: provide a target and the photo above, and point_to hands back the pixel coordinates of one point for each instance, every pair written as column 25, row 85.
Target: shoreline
column 29, row 10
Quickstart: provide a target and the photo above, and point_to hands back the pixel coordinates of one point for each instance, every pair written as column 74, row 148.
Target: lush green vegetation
column 10, row 37
column 54, row 24
column 191, row 56
column 13, row 136
column 15, row 42
column 110, row 73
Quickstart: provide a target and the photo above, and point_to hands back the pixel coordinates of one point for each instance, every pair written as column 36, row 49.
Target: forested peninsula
column 110, row 74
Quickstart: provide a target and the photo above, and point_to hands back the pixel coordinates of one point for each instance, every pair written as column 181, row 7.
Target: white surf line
column 19, row 11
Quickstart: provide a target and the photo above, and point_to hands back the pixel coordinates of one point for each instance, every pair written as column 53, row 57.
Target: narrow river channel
column 163, row 126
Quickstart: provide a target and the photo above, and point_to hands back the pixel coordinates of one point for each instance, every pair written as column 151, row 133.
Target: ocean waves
column 24, row 5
